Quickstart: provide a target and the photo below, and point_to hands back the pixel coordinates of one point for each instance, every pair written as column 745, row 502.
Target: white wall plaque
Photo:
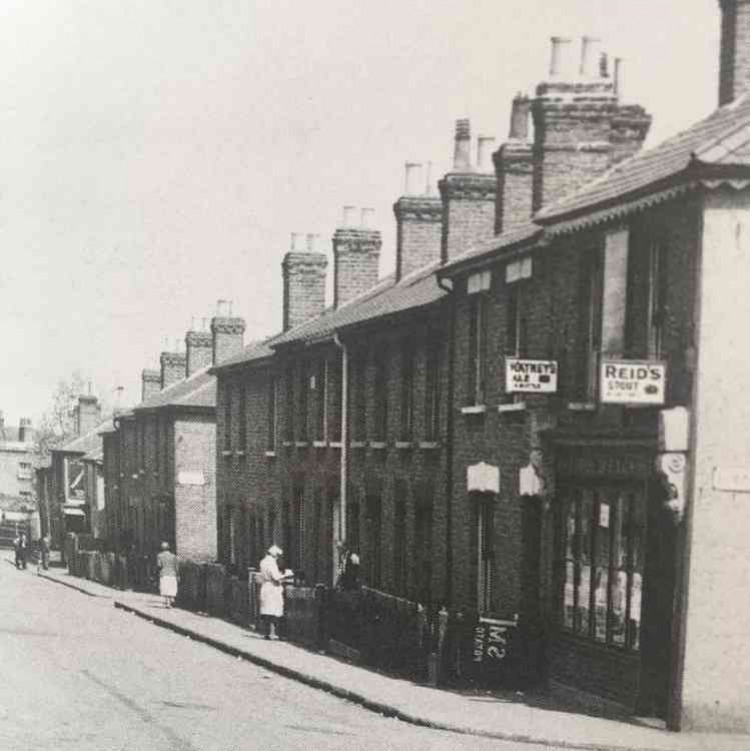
column 632, row 382
column 530, row 376
column 190, row 478
column 483, row 478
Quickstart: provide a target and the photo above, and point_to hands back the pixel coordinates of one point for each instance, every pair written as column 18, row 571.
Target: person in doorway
column 169, row 568
column 272, row 591
column 44, row 546
column 351, row 578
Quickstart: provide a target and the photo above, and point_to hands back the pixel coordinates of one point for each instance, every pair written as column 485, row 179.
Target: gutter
column 343, row 472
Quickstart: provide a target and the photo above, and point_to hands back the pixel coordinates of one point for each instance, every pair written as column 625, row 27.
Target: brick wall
column 304, row 278
column 468, row 211
column 356, row 255
column 199, row 351
column 173, row 366
column 150, row 383
column 734, row 61
column 418, row 231
column 227, row 337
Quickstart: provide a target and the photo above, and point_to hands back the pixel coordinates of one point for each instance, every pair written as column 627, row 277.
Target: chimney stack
column 24, row 430
column 468, row 200
column 514, row 170
column 734, row 60
column 227, row 332
column 418, row 224
column 356, row 256
column 198, row 350
column 172, row 368
column 150, row 384
column 87, row 414
column 580, row 127
column 304, row 277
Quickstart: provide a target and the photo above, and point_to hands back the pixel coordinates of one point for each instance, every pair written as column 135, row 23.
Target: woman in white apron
column 271, row 591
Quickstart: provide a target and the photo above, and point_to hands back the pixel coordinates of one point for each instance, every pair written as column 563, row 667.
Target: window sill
column 270, row 454
column 430, row 445
column 320, row 444
column 227, row 454
column 404, row 444
column 301, row 444
column 287, row 443
column 512, row 407
column 378, row 445
column 239, row 453
column 335, row 444
column 358, row 444
column 582, row 406
column 474, row 409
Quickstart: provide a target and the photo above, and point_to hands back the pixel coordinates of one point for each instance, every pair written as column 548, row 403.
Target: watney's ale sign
column 632, row 382
column 530, row 376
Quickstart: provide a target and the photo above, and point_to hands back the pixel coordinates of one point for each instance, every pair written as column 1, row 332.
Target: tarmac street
column 81, row 674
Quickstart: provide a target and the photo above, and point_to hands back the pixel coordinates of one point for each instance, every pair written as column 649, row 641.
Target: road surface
column 79, row 674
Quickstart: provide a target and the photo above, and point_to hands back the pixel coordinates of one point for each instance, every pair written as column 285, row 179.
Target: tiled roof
column 522, row 235
column 253, row 351
column 386, row 298
column 197, row 391
column 88, row 442
column 723, row 138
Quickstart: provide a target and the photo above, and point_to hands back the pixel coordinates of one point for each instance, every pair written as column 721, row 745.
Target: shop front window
column 602, row 565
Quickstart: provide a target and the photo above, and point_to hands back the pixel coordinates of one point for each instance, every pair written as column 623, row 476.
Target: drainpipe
column 339, row 542
column 448, row 287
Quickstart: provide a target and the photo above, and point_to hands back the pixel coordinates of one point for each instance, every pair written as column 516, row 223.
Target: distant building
column 17, row 461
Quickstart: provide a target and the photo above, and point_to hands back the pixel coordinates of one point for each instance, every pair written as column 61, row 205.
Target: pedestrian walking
column 44, row 546
column 20, row 545
column 272, row 590
column 169, row 569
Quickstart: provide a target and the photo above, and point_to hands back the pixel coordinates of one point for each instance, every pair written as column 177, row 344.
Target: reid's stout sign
column 632, row 382
column 530, row 376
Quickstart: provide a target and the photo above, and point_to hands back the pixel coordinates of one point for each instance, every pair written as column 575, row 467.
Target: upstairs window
column 318, row 385
column 516, row 330
column 272, row 413
column 432, row 391
column 407, row 390
column 591, row 324
column 477, row 287
column 358, row 395
column 289, row 405
column 228, row 396
column 304, row 391
column 381, row 394
column 242, row 428
column 657, row 295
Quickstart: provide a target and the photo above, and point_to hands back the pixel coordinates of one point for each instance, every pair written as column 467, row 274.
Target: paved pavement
column 490, row 715
column 81, row 674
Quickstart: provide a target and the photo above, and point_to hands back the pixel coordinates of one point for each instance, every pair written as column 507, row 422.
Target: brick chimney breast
column 734, row 60
column 172, row 368
column 514, row 170
column 88, row 414
column 199, row 351
column 150, row 383
column 356, row 260
column 580, row 127
column 304, row 277
column 227, row 336
column 468, row 201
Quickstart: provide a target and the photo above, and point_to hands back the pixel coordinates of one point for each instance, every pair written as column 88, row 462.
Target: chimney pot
column 559, row 65
column 485, row 145
column 618, row 76
column 604, row 66
column 310, row 239
column 428, row 180
column 590, row 49
column 412, row 178
column 348, row 214
column 366, row 217
column 519, row 117
column 462, row 146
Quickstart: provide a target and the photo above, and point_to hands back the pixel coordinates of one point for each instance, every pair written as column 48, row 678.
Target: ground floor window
column 602, row 535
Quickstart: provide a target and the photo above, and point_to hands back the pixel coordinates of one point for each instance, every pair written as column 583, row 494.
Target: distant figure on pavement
column 169, row 567
column 351, row 578
column 44, row 545
column 20, row 544
column 272, row 591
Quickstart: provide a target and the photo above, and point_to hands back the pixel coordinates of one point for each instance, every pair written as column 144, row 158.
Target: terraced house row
column 539, row 415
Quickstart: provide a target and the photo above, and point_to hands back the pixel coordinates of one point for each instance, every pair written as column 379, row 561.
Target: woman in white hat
column 271, row 590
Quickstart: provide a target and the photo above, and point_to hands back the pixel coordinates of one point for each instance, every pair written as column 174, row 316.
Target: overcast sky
column 156, row 154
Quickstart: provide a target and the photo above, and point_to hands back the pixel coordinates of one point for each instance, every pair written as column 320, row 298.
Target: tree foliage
column 58, row 424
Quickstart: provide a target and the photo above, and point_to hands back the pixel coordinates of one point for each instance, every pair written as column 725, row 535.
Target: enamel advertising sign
column 530, row 376
column 632, row 382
